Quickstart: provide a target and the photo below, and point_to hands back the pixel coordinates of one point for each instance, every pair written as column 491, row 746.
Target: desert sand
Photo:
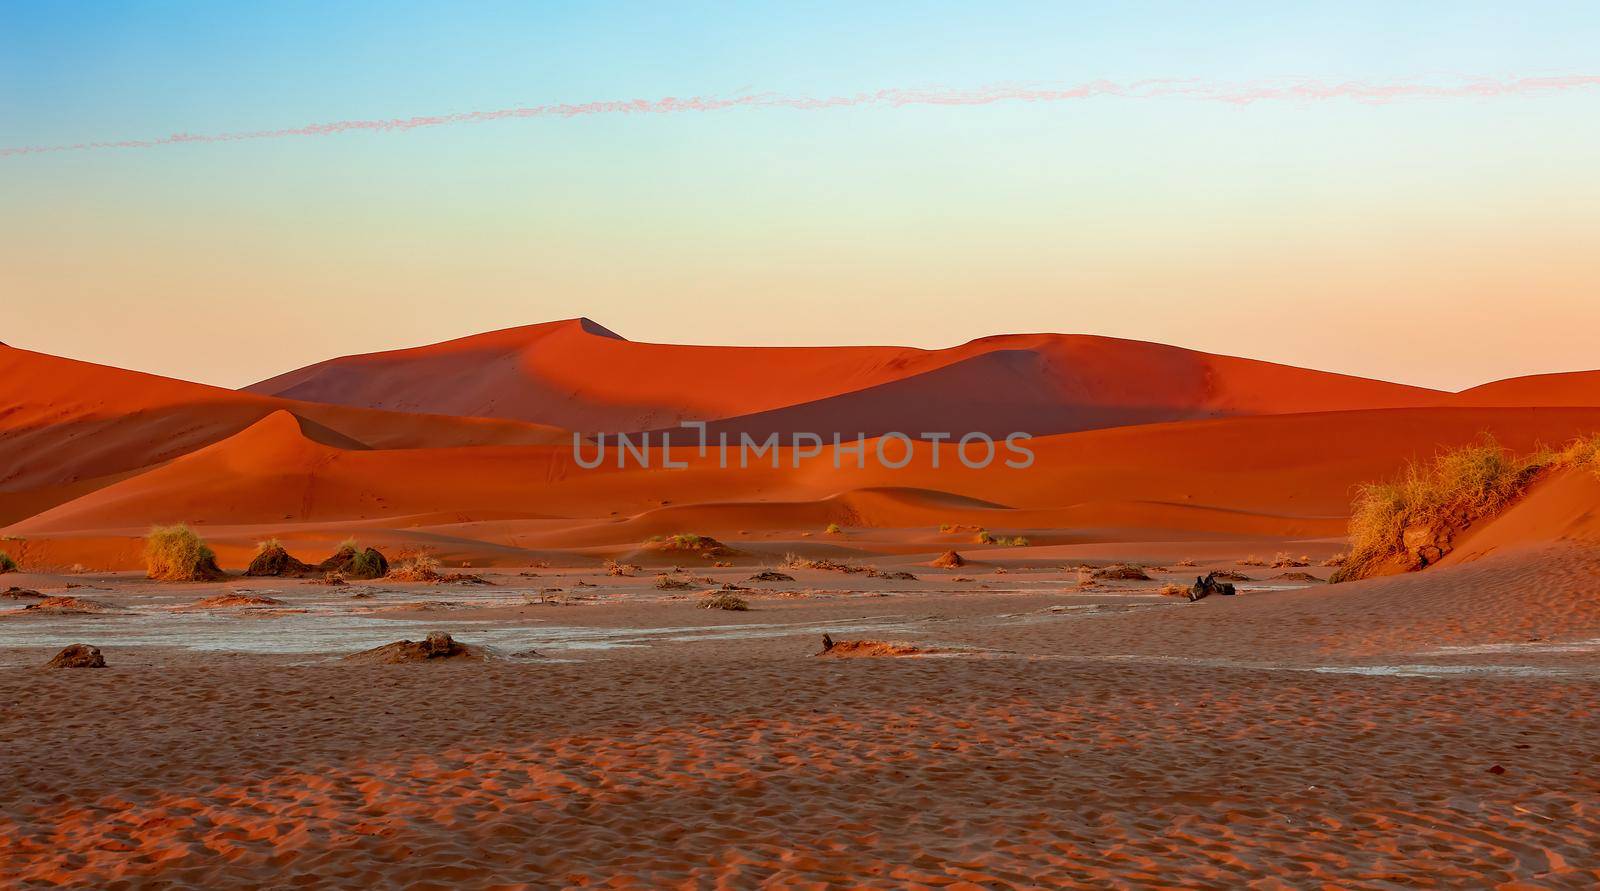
column 1023, row 719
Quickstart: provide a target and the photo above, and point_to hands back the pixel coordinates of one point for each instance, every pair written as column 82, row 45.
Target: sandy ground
column 1438, row 730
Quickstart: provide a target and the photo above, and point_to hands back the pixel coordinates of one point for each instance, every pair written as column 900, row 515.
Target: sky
column 1402, row 191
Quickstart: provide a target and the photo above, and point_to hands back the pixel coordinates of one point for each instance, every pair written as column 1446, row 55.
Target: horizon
column 1308, row 187
column 612, row 331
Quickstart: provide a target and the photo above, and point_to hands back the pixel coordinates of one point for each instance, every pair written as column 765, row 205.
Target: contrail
column 1296, row 91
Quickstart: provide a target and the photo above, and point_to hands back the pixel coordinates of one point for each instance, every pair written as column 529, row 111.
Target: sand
column 1326, row 735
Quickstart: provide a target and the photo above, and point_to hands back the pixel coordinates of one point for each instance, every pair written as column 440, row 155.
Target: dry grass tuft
column 687, row 541
column 795, row 561
column 6, row 563
column 724, row 600
column 1125, row 572
column 1432, row 498
column 415, row 565
column 177, row 554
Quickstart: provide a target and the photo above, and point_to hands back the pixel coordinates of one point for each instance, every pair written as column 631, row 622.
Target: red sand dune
column 1563, row 507
column 1287, row 475
column 1570, row 389
column 68, row 427
column 576, row 374
column 99, row 454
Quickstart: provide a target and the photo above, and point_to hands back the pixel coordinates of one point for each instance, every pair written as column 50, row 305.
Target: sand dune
column 577, row 375
column 1287, row 476
column 1564, row 507
column 68, row 427
column 1571, row 388
column 1159, row 443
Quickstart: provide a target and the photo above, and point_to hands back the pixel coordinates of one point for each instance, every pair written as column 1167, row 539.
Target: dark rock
column 78, row 656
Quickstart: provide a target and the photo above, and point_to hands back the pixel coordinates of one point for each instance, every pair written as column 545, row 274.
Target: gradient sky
column 1443, row 241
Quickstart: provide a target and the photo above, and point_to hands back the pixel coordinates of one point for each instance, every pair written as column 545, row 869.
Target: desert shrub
column 268, row 545
column 412, row 565
column 685, row 541
column 620, row 569
column 1018, row 542
column 1126, row 572
column 1251, row 560
column 724, row 600
column 1284, row 561
column 795, row 561
column 6, row 563
column 1172, row 590
column 834, row 529
column 177, row 554
column 367, row 564
column 1336, row 560
column 1186, row 563
column 668, row 583
column 984, row 536
column 1454, row 488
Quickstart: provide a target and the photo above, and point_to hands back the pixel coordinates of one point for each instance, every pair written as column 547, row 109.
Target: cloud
column 1298, row 91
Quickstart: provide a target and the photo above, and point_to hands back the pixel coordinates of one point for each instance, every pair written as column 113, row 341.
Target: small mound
column 275, row 561
column 223, row 601
column 796, row 562
column 855, row 649
column 723, row 600
column 668, row 583
column 1295, row 577
column 895, row 575
column 770, row 575
column 78, row 656
column 353, row 563
column 463, row 578
column 950, row 560
column 438, row 646
column 700, row 544
column 177, row 554
column 70, row 606
column 1122, row 573
column 1229, row 575
column 15, row 593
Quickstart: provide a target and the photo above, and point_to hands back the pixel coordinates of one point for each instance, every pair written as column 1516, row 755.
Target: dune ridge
column 576, row 375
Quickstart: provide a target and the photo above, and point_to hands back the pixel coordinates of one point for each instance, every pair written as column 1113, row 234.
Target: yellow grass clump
column 725, row 601
column 177, row 554
column 415, row 565
column 1448, row 492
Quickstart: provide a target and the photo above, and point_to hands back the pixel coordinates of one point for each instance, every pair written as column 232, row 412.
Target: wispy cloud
column 1284, row 91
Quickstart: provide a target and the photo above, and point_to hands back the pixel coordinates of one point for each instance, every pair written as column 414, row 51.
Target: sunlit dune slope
column 1288, row 475
column 577, row 375
column 1569, row 389
column 67, row 427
